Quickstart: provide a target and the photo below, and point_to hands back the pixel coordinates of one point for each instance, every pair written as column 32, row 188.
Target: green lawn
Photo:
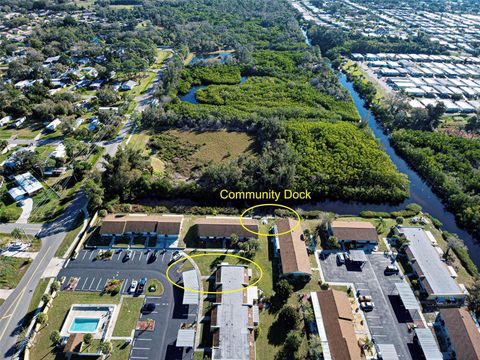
column 2, row 301
column 128, row 316
column 43, row 349
column 139, row 141
column 25, row 133
column 12, row 270
column 158, row 285
column 37, row 296
column 71, row 235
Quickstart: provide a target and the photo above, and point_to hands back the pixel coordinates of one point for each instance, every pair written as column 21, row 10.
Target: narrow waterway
column 420, row 192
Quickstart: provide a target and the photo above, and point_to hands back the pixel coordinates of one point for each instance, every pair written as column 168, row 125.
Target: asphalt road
column 14, row 310
column 169, row 312
column 388, row 320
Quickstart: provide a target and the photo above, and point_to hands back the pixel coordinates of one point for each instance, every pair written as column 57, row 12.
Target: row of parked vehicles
column 137, row 287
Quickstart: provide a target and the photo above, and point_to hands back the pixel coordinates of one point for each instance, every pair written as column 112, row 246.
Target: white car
column 176, row 255
column 133, row 286
column 340, row 258
column 367, row 306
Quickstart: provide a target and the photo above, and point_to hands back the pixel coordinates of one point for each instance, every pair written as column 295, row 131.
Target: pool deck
column 105, row 325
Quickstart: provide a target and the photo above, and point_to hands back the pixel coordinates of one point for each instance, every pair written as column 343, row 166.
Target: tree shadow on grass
column 277, row 333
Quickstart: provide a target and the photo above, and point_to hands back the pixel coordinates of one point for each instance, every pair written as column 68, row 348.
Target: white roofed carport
column 190, row 281
column 185, row 338
column 408, row 297
column 387, row 351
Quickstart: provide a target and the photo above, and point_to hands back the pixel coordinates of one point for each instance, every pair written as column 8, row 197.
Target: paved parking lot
column 169, row 312
column 388, row 320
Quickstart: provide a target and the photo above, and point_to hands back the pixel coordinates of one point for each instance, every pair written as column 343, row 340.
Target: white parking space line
column 90, row 257
column 84, row 254
column 380, row 335
column 140, row 258
column 124, row 285
column 119, row 254
column 140, row 348
column 138, row 339
column 86, row 279
column 133, row 255
column 91, row 284
column 163, row 257
column 377, row 326
column 138, row 357
column 99, row 281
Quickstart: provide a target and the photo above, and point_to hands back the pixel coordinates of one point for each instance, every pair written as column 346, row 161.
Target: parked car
column 391, row 269
column 365, row 298
column 152, row 257
column 176, row 255
column 141, row 285
column 133, row 286
column 148, row 308
column 367, row 306
column 128, row 255
column 340, row 258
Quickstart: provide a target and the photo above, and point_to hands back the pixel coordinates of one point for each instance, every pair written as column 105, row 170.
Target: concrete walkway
column 5, row 293
column 53, row 267
column 26, row 211
column 20, row 254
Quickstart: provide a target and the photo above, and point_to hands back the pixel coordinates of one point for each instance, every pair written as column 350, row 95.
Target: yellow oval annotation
column 186, row 257
column 267, row 234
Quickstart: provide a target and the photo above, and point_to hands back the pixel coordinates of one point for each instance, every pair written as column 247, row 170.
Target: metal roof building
column 387, row 351
column 432, row 271
column 427, row 343
column 29, row 183
column 190, row 281
column 186, row 338
column 408, row 297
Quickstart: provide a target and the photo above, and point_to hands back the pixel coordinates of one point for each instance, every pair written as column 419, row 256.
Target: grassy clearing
column 128, row 316
column 216, row 146
column 157, row 165
column 187, row 152
column 139, row 141
column 12, row 270
column 158, row 287
column 2, row 301
column 25, row 133
column 71, row 235
column 43, row 348
column 162, row 55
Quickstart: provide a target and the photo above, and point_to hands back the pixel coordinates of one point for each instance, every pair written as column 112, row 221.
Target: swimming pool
column 84, row 325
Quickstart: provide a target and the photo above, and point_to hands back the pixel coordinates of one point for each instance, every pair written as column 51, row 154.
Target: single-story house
column 52, row 126
column 27, row 184
column 60, row 152
column 335, row 325
column 293, row 252
column 223, row 228
column 354, row 234
column 128, row 85
column 460, row 333
column 136, row 224
column 5, row 120
column 433, row 275
column 234, row 314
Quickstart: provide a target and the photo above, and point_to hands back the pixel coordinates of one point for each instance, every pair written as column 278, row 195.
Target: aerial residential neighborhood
column 233, row 180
